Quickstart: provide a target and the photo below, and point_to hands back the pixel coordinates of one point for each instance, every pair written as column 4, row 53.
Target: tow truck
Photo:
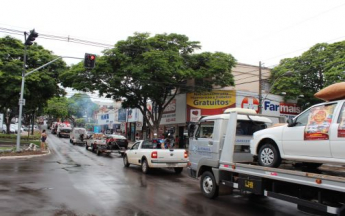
column 215, row 161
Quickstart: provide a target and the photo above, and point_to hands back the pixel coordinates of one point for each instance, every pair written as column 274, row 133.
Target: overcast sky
column 250, row 30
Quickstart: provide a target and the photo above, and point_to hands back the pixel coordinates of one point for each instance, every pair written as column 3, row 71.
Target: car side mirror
column 291, row 122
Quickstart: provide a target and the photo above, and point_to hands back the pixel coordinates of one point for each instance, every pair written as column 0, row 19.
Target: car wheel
column 208, row 185
column 178, row 170
column 269, row 156
column 145, row 167
column 125, row 161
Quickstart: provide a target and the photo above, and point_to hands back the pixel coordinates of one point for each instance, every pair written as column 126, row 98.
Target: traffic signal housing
column 32, row 36
column 89, row 60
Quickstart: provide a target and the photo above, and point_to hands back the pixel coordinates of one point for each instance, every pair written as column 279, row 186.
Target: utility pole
column 260, row 89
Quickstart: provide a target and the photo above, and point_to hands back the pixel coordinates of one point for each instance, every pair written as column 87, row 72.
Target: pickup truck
column 314, row 137
column 97, row 143
column 149, row 155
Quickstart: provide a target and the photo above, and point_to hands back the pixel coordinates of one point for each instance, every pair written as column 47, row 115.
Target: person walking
column 43, row 140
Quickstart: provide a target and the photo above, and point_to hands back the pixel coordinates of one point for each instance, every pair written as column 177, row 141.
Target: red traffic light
column 89, row 60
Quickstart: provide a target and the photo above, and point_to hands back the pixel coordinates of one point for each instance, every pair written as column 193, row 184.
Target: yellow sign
column 211, row 100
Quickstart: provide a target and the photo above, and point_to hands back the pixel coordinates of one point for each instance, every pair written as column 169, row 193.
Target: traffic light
column 89, row 60
column 32, row 36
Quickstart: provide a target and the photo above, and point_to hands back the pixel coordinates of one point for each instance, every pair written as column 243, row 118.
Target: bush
column 36, row 136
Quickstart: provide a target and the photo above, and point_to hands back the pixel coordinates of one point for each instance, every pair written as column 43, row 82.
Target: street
column 75, row 181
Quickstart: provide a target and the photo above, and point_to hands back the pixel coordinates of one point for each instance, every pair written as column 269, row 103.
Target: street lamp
column 22, row 101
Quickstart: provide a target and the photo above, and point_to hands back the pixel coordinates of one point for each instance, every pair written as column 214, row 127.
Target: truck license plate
column 249, row 184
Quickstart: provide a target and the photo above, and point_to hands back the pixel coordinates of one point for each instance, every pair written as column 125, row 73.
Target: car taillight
column 154, row 154
column 185, row 154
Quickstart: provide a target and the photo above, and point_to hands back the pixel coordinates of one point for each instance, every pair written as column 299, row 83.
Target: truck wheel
column 269, row 156
column 341, row 211
column 125, row 161
column 178, row 170
column 208, row 185
column 98, row 152
column 87, row 147
column 145, row 167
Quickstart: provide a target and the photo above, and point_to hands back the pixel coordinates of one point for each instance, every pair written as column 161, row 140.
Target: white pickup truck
column 148, row 155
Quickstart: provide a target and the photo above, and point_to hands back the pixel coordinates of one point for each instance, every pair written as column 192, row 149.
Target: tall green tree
column 73, row 108
column 144, row 68
column 39, row 86
column 320, row 66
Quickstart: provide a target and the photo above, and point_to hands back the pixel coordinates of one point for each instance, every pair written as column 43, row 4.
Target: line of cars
column 148, row 154
column 14, row 128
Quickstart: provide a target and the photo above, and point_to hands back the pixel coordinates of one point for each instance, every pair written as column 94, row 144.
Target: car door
column 337, row 137
column 310, row 135
column 132, row 154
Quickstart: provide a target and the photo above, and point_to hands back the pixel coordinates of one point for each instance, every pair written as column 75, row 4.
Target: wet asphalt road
column 74, row 181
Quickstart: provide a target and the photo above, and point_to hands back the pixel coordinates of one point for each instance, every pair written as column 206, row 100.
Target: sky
column 250, row 30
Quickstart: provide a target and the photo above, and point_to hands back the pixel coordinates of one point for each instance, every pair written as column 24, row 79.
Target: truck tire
column 87, row 147
column 178, row 170
column 145, row 167
column 98, row 152
column 208, row 185
column 125, row 161
column 269, row 156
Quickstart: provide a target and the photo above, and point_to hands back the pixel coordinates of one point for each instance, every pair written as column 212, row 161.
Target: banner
column 319, row 121
column 209, row 103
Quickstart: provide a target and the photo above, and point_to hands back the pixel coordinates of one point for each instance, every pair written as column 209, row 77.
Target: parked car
column 314, row 137
column 12, row 129
column 78, row 135
column 117, row 141
column 15, row 126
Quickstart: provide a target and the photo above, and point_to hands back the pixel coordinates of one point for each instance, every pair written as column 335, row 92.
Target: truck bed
column 327, row 176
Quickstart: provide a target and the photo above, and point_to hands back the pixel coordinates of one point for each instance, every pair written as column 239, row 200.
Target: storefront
column 272, row 105
column 173, row 120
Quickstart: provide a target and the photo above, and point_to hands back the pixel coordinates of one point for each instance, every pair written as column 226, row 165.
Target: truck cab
column 208, row 135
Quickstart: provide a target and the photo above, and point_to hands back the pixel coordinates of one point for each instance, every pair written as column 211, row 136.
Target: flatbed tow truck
column 213, row 160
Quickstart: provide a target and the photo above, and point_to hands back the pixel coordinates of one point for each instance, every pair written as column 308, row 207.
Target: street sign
column 21, row 102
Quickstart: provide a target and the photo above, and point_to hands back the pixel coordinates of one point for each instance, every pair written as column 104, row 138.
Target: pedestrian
column 177, row 142
column 43, row 140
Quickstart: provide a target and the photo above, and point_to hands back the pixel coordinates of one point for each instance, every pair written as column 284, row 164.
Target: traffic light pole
column 21, row 100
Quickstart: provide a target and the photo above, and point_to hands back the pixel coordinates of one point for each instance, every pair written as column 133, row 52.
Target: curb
column 25, row 156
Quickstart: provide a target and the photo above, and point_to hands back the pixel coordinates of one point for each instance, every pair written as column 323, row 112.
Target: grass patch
column 36, row 136
column 6, row 148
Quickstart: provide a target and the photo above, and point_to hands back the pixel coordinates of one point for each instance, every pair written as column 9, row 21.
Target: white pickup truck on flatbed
column 149, row 155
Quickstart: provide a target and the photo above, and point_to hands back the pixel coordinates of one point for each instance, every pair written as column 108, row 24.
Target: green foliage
column 39, row 86
column 145, row 68
column 320, row 66
column 78, row 106
column 57, row 107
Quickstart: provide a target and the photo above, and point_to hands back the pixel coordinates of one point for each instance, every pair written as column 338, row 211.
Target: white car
column 12, row 129
column 148, row 155
column 314, row 137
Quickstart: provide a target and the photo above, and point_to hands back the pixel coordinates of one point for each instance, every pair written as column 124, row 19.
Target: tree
column 144, row 68
column 320, row 66
column 39, row 86
column 76, row 107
